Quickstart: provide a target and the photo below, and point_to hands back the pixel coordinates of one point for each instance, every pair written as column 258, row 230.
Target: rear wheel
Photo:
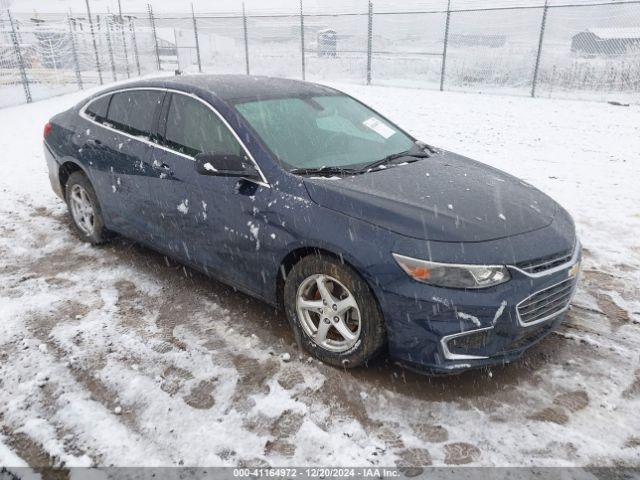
column 84, row 209
column 333, row 312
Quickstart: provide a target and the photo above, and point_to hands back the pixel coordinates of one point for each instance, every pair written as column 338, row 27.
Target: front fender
column 363, row 246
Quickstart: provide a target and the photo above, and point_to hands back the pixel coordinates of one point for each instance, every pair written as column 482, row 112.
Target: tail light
column 47, row 130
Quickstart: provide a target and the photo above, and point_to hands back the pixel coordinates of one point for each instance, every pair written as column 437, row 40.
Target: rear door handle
column 166, row 169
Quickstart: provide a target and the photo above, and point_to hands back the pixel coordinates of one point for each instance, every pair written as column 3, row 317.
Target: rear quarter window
column 133, row 112
column 97, row 109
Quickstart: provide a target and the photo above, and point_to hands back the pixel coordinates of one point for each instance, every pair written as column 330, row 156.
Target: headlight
column 451, row 275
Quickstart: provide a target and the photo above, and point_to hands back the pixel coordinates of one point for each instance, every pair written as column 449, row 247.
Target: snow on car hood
column 443, row 198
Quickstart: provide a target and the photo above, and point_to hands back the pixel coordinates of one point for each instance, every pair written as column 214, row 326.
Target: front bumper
column 443, row 331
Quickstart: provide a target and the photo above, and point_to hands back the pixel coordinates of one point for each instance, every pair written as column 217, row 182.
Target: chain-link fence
column 589, row 49
column 42, row 58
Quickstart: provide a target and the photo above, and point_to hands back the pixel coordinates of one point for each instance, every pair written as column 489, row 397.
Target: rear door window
column 133, row 111
column 193, row 128
column 97, row 110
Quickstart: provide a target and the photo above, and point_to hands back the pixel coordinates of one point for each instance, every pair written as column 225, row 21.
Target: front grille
column 545, row 263
column 546, row 303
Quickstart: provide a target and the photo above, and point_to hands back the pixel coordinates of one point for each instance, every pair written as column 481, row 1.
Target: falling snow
column 183, row 207
column 112, row 356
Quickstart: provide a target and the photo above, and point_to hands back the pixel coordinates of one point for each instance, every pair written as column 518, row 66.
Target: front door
column 214, row 222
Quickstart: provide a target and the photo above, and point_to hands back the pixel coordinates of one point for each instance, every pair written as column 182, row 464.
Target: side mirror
column 222, row 165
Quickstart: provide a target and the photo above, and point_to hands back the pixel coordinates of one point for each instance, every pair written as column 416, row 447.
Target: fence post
column 95, row 45
column 195, row 33
column 536, row 68
column 369, row 42
column 99, row 34
column 246, row 37
column 124, row 40
column 443, row 69
column 155, row 35
column 21, row 65
column 74, row 52
column 302, row 41
column 108, row 20
column 132, row 29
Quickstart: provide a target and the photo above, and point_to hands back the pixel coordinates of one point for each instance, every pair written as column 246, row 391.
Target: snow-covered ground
column 118, row 356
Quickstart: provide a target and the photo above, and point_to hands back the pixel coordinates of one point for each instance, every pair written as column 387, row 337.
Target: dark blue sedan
column 302, row 196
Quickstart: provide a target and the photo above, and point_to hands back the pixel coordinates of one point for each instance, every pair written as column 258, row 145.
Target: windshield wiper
column 326, row 170
column 418, row 150
column 426, row 146
column 412, row 153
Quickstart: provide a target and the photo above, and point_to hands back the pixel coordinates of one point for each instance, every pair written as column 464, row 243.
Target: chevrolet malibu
column 304, row 197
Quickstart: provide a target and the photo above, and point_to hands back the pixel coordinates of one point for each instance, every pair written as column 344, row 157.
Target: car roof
column 234, row 88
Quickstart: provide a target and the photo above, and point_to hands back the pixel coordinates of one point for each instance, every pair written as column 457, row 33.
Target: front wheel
column 333, row 312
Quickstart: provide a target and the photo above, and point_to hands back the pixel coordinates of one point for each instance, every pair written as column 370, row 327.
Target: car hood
column 446, row 197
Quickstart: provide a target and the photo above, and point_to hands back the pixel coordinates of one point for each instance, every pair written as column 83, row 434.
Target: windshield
column 323, row 131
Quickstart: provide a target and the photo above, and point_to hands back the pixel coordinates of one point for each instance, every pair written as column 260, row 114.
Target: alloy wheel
column 82, row 209
column 328, row 313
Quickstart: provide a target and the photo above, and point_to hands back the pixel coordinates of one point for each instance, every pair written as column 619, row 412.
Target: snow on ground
column 117, row 356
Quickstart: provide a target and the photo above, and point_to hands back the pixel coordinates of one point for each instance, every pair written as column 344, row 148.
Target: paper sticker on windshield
column 379, row 127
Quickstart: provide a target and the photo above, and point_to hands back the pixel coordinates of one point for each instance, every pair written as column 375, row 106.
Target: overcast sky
column 261, row 6
column 177, row 5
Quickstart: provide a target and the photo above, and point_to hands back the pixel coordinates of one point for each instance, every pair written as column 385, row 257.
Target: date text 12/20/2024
column 321, row 472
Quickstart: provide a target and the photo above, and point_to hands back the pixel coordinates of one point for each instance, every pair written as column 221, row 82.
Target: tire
column 357, row 310
column 79, row 189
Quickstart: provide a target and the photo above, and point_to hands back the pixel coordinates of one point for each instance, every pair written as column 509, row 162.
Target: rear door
column 119, row 152
column 92, row 140
column 133, row 114
column 215, row 222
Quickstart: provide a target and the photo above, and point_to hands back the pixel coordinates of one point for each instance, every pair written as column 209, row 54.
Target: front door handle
column 94, row 141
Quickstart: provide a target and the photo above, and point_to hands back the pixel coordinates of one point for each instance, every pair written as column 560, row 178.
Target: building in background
column 606, row 41
column 327, row 43
column 477, row 40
